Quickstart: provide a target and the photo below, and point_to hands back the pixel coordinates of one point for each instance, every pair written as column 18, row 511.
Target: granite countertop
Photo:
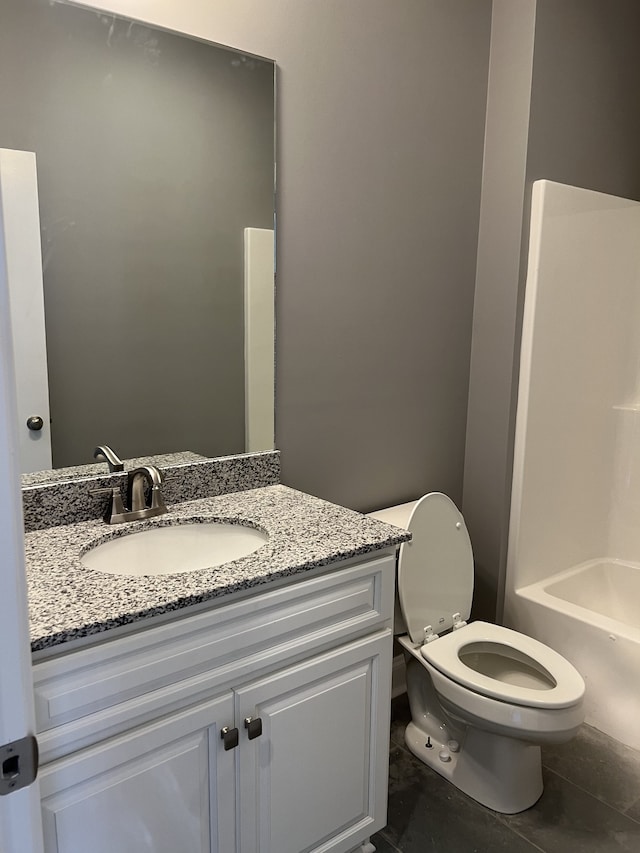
column 68, row 601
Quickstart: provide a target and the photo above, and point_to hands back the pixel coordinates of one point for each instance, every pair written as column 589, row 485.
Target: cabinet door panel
column 320, row 765
column 163, row 788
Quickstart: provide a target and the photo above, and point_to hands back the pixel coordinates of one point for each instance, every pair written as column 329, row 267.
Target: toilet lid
column 435, row 569
column 508, row 673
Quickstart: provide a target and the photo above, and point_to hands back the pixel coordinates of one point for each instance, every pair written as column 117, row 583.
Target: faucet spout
column 103, row 451
column 145, row 505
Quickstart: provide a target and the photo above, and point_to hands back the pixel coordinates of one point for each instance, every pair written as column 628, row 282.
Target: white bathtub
column 591, row 615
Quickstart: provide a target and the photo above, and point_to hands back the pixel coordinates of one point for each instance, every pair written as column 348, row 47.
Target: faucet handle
column 115, row 511
column 157, row 499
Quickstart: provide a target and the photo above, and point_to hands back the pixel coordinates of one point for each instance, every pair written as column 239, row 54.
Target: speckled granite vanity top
column 69, row 601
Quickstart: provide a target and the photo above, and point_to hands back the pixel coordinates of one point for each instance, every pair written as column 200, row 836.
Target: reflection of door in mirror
column 154, row 153
column 20, row 242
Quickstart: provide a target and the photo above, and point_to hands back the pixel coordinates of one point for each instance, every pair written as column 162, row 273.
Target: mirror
column 155, row 161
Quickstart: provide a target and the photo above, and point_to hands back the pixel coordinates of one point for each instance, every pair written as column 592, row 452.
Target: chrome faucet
column 103, row 451
column 141, row 504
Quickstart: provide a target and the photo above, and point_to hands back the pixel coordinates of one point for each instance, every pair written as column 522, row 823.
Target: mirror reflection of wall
column 154, row 153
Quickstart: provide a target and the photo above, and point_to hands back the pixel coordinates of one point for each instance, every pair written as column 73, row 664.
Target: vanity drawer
column 212, row 649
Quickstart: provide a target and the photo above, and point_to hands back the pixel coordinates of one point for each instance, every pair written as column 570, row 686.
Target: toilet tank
column 398, row 516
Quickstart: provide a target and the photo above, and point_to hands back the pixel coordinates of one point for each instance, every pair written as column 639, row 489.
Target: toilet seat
column 435, row 569
column 566, row 689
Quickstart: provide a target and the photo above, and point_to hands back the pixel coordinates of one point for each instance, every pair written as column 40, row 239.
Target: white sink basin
column 174, row 549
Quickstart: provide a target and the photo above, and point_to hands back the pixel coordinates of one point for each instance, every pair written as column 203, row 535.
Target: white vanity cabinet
column 165, row 787
column 131, row 731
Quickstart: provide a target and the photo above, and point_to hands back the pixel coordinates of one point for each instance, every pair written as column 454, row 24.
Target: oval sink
column 174, row 549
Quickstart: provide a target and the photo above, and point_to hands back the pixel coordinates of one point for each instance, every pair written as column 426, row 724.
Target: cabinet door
column 165, row 787
column 316, row 778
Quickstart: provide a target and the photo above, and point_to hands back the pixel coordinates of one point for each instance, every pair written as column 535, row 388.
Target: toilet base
column 499, row 772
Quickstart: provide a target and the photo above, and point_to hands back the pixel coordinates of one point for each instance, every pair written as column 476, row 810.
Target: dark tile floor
column 590, row 803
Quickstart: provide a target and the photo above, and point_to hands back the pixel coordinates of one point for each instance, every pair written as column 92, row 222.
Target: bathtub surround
column 574, row 550
column 70, row 501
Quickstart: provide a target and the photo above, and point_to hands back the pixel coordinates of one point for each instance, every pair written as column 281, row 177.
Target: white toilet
column 483, row 698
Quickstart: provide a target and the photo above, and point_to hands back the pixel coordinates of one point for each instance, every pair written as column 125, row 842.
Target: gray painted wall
column 585, row 97
column 380, row 128
column 583, row 129
column 488, row 451
column 381, row 157
column 154, row 152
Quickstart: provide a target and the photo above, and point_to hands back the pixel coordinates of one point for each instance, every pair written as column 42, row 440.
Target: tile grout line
column 504, row 823
column 636, row 802
column 595, row 796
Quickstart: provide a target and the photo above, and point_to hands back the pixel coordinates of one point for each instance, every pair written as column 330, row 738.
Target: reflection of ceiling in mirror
column 154, row 153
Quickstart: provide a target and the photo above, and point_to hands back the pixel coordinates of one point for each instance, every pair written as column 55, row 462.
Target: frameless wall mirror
column 155, row 177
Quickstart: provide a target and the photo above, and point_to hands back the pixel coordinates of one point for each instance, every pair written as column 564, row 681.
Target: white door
column 315, row 777
column 23, row 266
column 20, row 822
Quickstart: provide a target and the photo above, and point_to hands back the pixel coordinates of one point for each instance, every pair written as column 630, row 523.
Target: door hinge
column 18, row 764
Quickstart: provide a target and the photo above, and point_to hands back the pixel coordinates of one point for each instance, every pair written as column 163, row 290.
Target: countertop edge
column 306, row 533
